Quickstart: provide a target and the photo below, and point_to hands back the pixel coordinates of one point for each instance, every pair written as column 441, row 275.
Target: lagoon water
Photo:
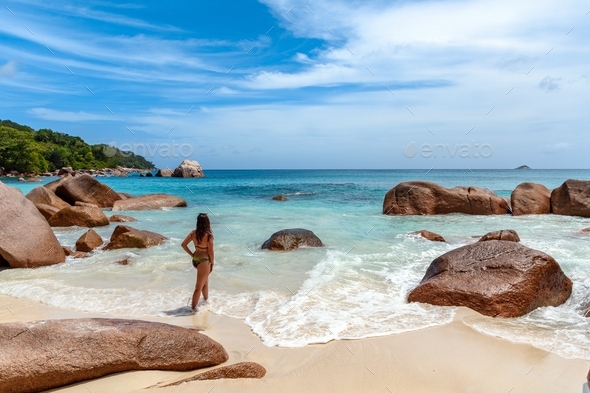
column 354, row 287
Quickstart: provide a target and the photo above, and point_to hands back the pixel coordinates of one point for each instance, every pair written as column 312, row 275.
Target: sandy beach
column 451, row 358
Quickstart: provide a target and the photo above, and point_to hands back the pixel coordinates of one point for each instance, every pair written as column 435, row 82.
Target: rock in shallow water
column 572, row 198
column 88, row 241
column 121, row 218
column 127, row 237
column 188, row 168
column 41, row 355
column 149, row 202
column 81, row 216
column 426, row 198
column 290, row 239
column 85, row 188
column 494, row 278
column 508, row 235
column 433, row 237
column 530, row 198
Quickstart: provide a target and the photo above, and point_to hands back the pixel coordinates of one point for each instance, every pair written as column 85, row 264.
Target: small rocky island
column 523, row 167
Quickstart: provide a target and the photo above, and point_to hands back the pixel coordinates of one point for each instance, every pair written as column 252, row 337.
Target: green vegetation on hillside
column 26, row 150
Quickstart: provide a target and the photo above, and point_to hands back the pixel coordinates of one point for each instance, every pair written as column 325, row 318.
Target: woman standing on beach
column 203, row 257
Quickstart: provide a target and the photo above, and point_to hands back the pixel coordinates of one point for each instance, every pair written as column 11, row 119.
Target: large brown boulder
column 188, row 168
column 127, row 237
column 46, row 210
column 426, row 198
column 530, row 198
column 290, row 239
column 26, row 239
column 43, row 195
column 88, row 241
column 85, row 188
column 43, row 355
column 80, row 216
column 572, row 198
column 494, row 278
column 233, row 371
column 56, row 183
column 149, row 202
column 509, row 235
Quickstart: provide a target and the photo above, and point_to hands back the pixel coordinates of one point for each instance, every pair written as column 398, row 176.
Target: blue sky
column 324, row 84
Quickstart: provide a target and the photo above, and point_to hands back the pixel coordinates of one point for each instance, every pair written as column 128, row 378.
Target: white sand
column 452, row 358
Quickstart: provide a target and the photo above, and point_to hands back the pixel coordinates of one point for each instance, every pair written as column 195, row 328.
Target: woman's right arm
column 186, row 242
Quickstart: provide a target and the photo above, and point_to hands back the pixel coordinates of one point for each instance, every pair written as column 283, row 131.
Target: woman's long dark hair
column 203, row 226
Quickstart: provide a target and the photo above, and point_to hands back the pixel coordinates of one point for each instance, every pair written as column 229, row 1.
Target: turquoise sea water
column 356, row 286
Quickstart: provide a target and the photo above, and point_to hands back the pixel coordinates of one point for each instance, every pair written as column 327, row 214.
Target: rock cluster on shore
column 69, row 201
column 572, row 198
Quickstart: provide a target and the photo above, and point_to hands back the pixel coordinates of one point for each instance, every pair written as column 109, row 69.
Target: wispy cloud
column 9, row 69
column 549, row 84
column 50, row 114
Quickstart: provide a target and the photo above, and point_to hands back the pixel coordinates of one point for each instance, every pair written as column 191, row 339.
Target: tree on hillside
column 19, row 151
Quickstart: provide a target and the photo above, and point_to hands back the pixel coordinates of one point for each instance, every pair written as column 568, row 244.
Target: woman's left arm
column 211, row 251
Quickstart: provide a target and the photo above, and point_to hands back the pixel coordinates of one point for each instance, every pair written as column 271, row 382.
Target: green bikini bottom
column 197, row 261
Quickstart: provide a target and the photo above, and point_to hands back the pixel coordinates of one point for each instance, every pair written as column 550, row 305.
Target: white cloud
column 549, row 84
column 8, row 70
column 50, row 114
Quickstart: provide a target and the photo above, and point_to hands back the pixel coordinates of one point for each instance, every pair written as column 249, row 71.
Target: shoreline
column 448, row 358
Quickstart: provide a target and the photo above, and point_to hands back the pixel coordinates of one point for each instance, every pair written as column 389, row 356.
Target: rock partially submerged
column 127, row 237
column 121, row 218
column 290, row 239
column 530, row 198
column 88, row 241
column 433, row 237
column 426, row 198
column 494, row 278
column 76, row 254
column 233, row 371
column 509, row 235
column 572, row 198
column 281, row 198
column 80, row 216
column 164, row 172
column 188, row 168
column 149, row 202
column 42, row 355
column 26, row 239
column 85, row 188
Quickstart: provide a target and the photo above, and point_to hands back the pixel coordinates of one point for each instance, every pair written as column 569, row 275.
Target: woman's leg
column 202, row 278
column 206, row 289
